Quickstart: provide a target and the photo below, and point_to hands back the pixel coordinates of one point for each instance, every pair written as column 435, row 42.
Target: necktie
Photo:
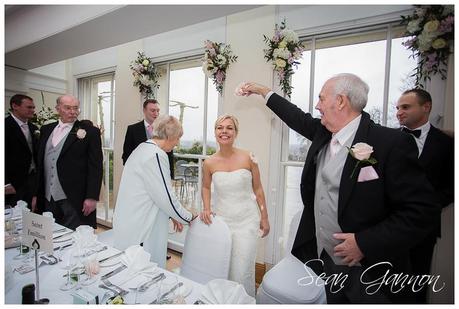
column 58, row 134
column 150, row 131
column 416, row 133
column 25, row 130
column 334, row 146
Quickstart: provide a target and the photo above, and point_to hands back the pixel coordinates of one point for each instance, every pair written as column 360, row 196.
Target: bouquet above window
column 284, row 52
column 145, row 75
column 431, row 38
column 217, row 58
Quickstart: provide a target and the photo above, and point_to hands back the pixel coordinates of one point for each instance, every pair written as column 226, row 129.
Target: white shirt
column 146, row 124
column 24, row 127
column 345, row 134
column 421, row 140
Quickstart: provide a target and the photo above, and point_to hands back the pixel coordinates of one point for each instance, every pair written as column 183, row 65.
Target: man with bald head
column 69, row 167
column 363, row 209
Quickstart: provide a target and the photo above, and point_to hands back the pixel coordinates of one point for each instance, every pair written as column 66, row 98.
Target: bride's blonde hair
column 224, row 117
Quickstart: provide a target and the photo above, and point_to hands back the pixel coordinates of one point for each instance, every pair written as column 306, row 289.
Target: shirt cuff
column 268, row 95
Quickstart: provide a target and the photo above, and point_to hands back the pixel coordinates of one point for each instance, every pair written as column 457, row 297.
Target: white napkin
column 138, row 262
column 221, row 291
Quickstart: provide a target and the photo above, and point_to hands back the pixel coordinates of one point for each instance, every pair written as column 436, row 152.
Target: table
column 51, row 278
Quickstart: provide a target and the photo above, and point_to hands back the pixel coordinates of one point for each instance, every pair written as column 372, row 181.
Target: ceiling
column 74, row 30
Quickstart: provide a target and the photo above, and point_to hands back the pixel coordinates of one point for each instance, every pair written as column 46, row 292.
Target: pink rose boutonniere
column 362, row 153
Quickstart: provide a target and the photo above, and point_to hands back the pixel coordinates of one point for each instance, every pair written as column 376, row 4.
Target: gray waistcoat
column 326, row 199
column 53, row 187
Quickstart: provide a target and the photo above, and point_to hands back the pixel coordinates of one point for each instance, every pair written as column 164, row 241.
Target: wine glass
column 91, row 269
column 69, row 264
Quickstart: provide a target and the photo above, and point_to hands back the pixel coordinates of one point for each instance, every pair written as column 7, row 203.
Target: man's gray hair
column 166, row 126
column 354, row 88
column 59, row 98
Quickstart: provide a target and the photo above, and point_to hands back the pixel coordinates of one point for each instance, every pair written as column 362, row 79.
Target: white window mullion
column 387, row 75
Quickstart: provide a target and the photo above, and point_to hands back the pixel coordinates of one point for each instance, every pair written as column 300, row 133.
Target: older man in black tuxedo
column 361, row 207
column 436, row 155
column 21, row 137
column 69, row 167
column 141, row 131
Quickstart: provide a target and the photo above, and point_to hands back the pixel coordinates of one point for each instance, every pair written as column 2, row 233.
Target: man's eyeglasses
column 71, row 108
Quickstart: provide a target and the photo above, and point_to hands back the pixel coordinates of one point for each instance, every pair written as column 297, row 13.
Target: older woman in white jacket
column 146, row 200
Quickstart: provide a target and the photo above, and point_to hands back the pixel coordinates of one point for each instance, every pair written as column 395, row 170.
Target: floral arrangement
column 145, row 75
column 217, row 58
column 44, row 116
column 431, row 31
column 284, row 52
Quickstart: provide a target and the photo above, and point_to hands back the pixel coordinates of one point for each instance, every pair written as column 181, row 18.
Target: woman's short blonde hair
column 224, row 117
column 167, row 127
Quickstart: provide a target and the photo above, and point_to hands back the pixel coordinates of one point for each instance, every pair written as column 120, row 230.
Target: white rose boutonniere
column 81, row 133
column 36, row 133
column 362, row 153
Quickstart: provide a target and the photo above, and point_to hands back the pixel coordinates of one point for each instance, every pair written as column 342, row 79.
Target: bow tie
column 416, row 133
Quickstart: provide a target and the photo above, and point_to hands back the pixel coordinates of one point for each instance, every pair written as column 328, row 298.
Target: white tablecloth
column 52, row 277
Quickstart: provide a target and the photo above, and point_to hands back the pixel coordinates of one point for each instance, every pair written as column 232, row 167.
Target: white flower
column 425, row 40
column 290, row 36
column 36, row 133
column 221, row 60
column 283, row 53
column 361, row 151
column 145, row 63
column 145, row 80
column 81, row 133
column 281, row 63
column 282, row 44
column 431, row 26
column 439, row 43
column 413, row 26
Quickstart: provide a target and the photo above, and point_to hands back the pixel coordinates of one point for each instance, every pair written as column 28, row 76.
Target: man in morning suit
column 356, row 213
column 69, row 167
column 436, row 155
column 141, row 131
column 21, row 137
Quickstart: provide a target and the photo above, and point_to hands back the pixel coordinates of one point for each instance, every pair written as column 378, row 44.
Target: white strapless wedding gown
column 235, row 202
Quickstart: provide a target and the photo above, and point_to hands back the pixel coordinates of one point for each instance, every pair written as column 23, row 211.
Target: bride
column 239, row 200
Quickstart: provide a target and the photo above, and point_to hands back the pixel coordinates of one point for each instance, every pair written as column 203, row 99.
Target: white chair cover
column 106, row 237
column 207, row 251
column 280, row 284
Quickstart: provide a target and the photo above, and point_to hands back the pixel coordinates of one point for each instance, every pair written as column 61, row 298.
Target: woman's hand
column 178, row 227
column 264, row 226
column 206, row 216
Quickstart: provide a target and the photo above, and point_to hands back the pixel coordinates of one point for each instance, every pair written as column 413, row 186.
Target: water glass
column 69, row 263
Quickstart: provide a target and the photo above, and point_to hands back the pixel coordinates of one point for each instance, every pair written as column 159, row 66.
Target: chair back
column 207, row 251
column 179, row 169
column 292, row 232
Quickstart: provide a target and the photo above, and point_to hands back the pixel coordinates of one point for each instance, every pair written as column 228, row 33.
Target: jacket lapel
column 430, row 146
column 317, row 144
column 71, row 137
column 19, row 132
column 347, row 183
column 46, row 133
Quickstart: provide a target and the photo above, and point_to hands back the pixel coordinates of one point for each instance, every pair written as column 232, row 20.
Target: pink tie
column 334, row 146
column 149, row 130
column 58, row 134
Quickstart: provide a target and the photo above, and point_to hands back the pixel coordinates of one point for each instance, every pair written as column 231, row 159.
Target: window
column 375, row 55
column 194, row 101
column 97, row 96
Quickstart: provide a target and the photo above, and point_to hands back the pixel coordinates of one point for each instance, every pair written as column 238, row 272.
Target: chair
column 191, row 180
column 280, row 283
column 207, row 251
column 179, row 174
column 106, row 237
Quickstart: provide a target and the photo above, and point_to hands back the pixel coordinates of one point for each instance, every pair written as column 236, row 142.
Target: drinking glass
column 69, row 263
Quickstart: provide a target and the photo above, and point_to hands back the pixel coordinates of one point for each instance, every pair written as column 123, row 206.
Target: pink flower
column 220, row 76
column 208, row 44
column 446, row 25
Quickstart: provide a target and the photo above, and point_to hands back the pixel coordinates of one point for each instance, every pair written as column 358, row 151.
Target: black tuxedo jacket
column 437, row 159
column 135, row 135
column 18, row 156
column 79, row 167
column 388, row 215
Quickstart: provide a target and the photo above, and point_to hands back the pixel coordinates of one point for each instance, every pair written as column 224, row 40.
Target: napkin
column 221, row 291
column 138, row 262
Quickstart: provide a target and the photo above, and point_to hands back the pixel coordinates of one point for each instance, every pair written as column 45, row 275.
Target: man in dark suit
column 21, row 137
column 361, row 207
column 69, row 167
column 436, row 155
column 140, row 131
